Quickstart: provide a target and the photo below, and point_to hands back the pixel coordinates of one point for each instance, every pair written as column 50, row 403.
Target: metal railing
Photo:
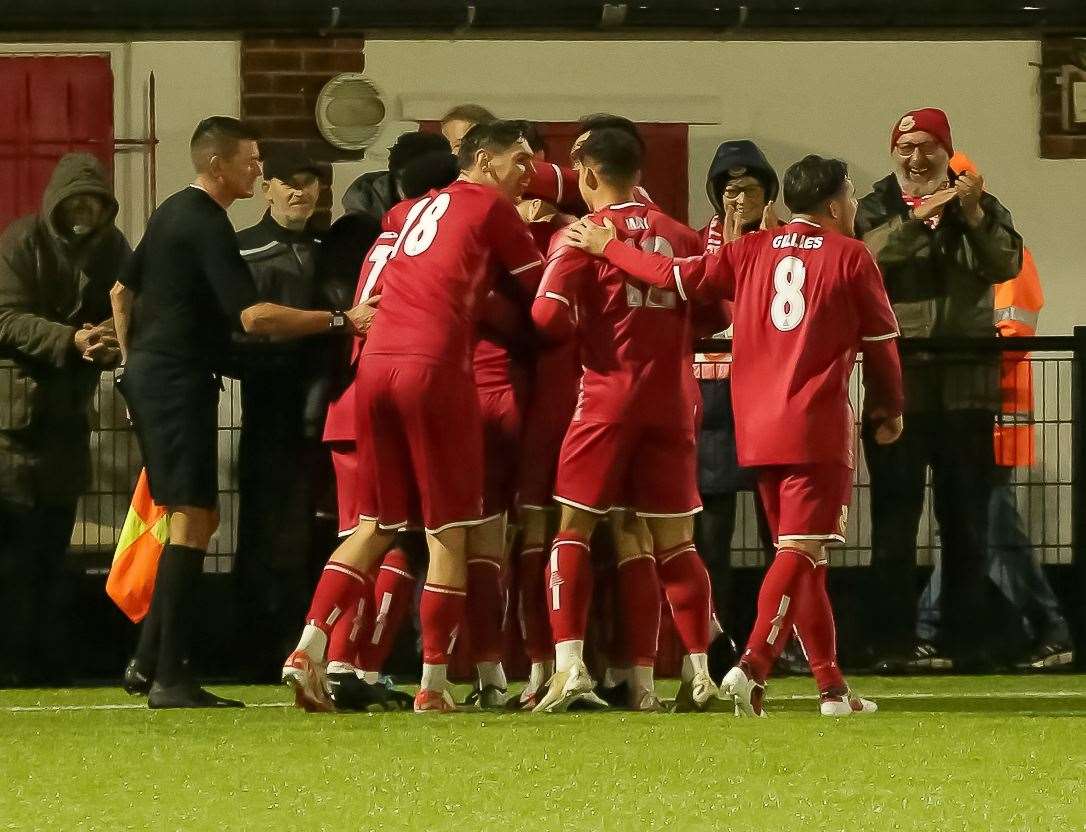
column 1044, row 490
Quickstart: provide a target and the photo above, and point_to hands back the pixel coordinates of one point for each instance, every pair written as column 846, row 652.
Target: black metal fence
column 1048, row 494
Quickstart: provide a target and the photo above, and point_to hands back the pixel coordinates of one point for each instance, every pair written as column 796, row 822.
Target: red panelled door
column 664, row 175
column 49, row 106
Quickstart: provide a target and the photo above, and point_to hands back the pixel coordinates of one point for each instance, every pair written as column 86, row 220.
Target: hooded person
column 56, row 338
column 740, row 184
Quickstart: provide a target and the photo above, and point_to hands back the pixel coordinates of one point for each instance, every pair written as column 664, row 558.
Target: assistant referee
column 185, row 289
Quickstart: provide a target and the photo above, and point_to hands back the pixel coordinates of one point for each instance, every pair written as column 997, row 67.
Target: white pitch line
column 796, row 697
column 118, row 707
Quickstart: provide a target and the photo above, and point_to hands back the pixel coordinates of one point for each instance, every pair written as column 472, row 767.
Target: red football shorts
column 648, row 469
column 545, row 427
column 420, row 444
column 806, row 502
column 345, row 468
column 502, row 415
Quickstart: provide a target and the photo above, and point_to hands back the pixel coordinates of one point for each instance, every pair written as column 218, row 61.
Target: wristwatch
column 339, row 320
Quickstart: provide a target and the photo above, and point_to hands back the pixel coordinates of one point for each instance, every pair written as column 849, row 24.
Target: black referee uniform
column 191, row 285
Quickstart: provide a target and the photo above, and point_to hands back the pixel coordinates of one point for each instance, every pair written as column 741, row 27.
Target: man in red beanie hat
column 941, row 243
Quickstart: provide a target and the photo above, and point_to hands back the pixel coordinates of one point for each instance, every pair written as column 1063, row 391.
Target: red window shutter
column 52, row 105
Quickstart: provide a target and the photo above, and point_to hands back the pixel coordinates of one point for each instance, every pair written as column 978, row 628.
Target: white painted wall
column 793, row 98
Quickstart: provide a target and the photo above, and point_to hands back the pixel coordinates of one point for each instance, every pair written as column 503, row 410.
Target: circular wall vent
column 350, row 111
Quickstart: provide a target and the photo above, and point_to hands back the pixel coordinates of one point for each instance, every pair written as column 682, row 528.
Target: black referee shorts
column 174, row 409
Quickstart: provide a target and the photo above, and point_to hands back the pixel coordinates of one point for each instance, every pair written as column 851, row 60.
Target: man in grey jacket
column 942, row 243
column 56, row 337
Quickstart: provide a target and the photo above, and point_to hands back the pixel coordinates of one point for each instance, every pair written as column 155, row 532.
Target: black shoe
column 135, row 682
column 393, row 700
column 1053, row 656
column 617, row 696
column 487, row 698
column 925, row 657
column 792, row 662
column 187, row 695
column 349, row 693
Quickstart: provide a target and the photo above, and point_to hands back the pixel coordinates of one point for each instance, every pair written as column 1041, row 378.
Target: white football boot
column 565, row 687
column 845, row 704
column 746, row 694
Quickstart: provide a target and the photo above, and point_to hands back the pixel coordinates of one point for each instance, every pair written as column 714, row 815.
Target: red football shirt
column 339, row 423
column 453, row 246
column 806, row 299
column 634, row 340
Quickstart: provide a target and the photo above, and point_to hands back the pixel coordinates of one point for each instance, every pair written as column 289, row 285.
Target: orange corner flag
column 131, row 580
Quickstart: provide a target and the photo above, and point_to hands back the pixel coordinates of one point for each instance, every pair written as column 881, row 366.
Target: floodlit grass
column 978, row 753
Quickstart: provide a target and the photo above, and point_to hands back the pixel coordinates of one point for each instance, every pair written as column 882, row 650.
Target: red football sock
column 535, row 627
column 689, row 593
column 393, row 593
column 485, row 612
column 780, row 595
column 639, row 609
column 817, row 632
column 351, row 628
column 569, row 587
column 440, row 613
column 337, row 593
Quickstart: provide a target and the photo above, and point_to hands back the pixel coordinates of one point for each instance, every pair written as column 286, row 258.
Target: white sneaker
column 845, row 704
column 564, row 688
column 746, row 694
column 700, row 694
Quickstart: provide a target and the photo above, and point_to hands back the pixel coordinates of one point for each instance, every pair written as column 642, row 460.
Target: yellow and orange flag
column 131, row 580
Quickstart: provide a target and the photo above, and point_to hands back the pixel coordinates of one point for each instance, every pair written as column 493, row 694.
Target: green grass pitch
column 1006, row 754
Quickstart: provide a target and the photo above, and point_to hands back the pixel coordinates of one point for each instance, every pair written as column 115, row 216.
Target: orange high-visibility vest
column 131, row 580
column 1018, row 302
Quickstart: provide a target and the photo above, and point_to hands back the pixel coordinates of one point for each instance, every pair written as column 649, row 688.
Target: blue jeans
column 1011, row 567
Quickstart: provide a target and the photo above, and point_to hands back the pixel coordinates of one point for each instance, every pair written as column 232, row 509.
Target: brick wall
column 1056, row 142
column 280, row 81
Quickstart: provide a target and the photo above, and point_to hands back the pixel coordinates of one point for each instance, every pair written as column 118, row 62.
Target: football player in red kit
column 417, row 408
column 362, row 639
column 631, row 442
column 807, row 297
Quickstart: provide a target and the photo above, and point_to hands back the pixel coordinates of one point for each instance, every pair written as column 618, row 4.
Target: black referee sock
column 179, row 571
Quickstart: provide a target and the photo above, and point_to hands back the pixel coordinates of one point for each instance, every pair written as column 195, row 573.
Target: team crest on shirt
column 907, row 124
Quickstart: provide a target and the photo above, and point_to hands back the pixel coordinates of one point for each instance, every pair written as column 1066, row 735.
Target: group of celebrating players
column 494, row 384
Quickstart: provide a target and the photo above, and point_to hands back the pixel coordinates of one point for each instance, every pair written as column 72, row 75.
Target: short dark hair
column 218, row 136
column 475, row 113
column 412, row 145
column 430, row 171
column 601, row 121
column 533, row 136
column 811, row 181
column 616, row 152
column 493, row 136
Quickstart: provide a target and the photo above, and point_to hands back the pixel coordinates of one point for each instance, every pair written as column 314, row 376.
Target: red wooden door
column 664, row 174
column 49, row 106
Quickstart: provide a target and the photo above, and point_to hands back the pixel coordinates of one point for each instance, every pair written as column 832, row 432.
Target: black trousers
column 276, row 522
column 35, row 594
column 957, row 447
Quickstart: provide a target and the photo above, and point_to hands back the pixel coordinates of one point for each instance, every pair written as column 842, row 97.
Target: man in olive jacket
column 56, row 337
column 942, row 243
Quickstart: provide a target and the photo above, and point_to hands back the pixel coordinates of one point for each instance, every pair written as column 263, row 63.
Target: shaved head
column 218, row 136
